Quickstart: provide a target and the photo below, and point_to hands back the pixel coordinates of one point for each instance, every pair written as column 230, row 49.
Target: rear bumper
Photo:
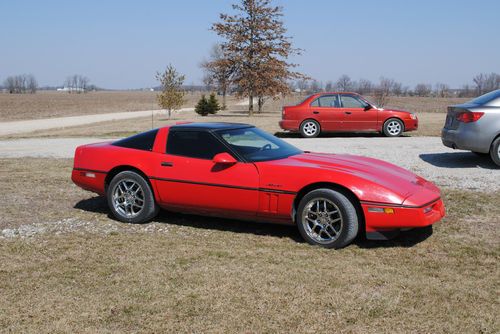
column 289, row 125
column 91, row 180
column 466, row 137
column 403, row 217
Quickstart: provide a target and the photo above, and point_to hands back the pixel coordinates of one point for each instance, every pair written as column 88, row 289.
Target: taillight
column 283, row 113
column 469, row 116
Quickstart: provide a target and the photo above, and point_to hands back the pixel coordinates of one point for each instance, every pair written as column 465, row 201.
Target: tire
column 332, row 227
column 495, row 151
column 393, row 127
column 310, row 128
column 130, row 198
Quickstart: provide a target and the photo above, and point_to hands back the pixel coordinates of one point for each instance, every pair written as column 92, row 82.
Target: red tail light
column 469, row 116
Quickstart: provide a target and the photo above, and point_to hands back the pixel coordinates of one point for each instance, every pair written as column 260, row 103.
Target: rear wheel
column 327, row 218
column 495, row 151
column 310, row 128
column 130, row 198
column 393, row 127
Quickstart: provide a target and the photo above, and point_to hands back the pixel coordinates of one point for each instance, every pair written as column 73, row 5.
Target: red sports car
column 242, row 172
column 344, row 112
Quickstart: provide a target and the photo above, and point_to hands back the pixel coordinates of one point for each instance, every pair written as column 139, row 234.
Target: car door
column 188, row 179
column 357, row 117
column 326, row 109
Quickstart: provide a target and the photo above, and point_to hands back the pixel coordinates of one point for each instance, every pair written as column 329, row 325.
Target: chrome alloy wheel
column 394, row 128
column 322, row 220
column 128, row 198
column 310, row 128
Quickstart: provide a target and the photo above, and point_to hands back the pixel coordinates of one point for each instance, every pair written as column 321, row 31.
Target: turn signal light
column 382, row 210
column 469, row 116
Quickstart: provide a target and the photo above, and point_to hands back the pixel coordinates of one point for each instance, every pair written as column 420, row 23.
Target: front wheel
column 310, row 128
column 130, row 198
column 393, row 128
column 327, row 218
column 495, row 151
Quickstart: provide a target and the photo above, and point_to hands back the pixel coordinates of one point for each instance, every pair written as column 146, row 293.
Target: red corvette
column 344, row 112
column 242, row 172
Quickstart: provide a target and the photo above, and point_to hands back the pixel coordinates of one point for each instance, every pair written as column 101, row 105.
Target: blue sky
column 121, row 44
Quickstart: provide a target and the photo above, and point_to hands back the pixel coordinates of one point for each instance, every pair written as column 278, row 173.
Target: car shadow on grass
column 458, row 160
column 404, row 239
column 409, row 238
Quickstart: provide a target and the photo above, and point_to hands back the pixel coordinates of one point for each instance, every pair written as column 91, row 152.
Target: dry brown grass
column 14, row 107
column 214, row 275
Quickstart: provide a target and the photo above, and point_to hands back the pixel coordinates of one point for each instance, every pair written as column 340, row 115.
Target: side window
column 194, row 144
column 315, row 103
column 349, row 101
column 328, row 101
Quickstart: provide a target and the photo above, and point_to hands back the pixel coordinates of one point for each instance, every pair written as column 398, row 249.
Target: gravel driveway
column 425, row 156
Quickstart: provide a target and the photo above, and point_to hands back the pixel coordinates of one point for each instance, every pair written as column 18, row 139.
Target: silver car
column 475, row 126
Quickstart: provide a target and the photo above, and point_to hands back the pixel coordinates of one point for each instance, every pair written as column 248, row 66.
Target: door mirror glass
column 224, row 158
column 368, row 107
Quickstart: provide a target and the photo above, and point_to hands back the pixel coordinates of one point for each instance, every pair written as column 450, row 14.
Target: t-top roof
column 211, row 126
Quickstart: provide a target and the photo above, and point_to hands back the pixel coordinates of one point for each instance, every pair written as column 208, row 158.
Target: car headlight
column 413, row 116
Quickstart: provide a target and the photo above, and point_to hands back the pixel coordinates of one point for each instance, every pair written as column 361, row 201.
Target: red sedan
column 344, row 112
column 242, row 172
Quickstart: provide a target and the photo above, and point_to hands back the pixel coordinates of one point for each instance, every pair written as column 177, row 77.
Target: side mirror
column 368, row 107
column 224, row 159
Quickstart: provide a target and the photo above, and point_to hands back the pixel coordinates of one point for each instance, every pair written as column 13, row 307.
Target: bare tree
column 344, row 83
column 20, row 84
column 76, row 83
column 171, row 96
column 442, row 90
column 486, row 82
column 256, row 44
column 315, row 86
column 365, row 87
column 329, row 86
column 218, row 70
column 423, row 89
column 382, row 91
column 397, row 88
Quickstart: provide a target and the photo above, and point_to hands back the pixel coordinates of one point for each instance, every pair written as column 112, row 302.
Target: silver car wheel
column 322, row 220
column 394, row 128
column 310, row 128
column 128, row 198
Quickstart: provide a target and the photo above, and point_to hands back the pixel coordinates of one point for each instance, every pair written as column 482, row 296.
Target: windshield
column 487, row 98
column 257, row 145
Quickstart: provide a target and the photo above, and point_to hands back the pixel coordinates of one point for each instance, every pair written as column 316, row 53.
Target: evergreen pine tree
column 202, row 107
column 213, row 104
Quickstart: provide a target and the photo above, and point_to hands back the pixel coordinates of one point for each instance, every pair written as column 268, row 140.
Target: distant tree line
column 21, row 84
column 482, row 83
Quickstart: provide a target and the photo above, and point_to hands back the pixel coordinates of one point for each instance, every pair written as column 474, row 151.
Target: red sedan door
column 356, row 116
column 326, row 109
column 188, row 179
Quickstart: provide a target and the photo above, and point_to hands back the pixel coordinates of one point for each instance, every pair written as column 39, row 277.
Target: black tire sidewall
column 347, row 210
column 150, row 209
column 306, row 135
column 386, row 131
column 494, row 151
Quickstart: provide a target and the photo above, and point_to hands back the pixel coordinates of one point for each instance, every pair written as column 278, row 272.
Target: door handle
column 167, row 164
column 348, row 112
column 315, row 112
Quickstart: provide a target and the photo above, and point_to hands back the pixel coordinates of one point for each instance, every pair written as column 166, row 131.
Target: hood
column 377, row 175
column 396, row 110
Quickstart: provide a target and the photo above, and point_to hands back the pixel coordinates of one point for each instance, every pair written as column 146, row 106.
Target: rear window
column 142, row 141
column 491, row 98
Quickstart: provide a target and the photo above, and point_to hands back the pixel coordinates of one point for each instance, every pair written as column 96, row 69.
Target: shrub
column 202, row 107
column 213, row 104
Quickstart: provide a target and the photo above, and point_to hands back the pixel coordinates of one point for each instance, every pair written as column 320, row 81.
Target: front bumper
column 403, row 217
column 411, row 124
